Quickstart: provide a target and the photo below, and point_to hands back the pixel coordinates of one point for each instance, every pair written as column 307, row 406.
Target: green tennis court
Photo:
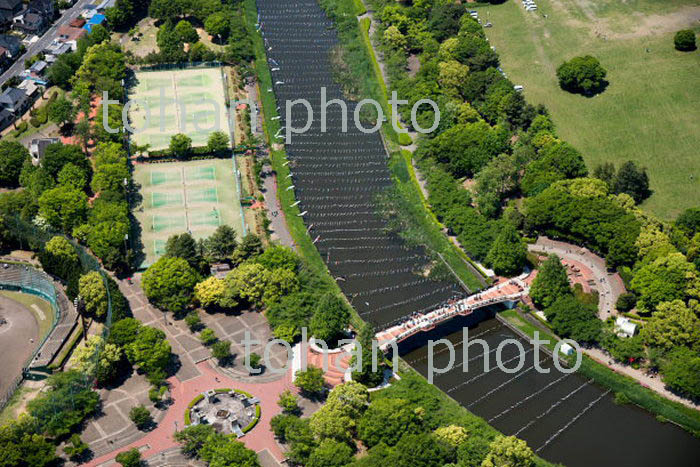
column 179, row 197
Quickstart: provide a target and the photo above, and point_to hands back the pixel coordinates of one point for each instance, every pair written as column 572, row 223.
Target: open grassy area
column 649, row 111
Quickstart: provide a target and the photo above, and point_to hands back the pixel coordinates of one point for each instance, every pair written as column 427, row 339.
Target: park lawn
column 146, row 42
column 27, row 300
column 647, row 114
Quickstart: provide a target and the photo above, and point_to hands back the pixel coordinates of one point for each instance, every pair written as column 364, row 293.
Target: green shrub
column 684, row 40
column 405, row 139
column 21, row 128
column 34, row 122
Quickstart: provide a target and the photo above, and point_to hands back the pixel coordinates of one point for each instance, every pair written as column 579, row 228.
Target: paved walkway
column 278, row 222
column 114, row 433
column 593, row 270
column 609, row 286
column 161, row 439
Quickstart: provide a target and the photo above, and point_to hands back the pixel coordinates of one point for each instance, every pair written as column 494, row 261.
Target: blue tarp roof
column 96, row 19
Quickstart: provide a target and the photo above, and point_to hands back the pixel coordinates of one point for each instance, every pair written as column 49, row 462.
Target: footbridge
column 507, row 292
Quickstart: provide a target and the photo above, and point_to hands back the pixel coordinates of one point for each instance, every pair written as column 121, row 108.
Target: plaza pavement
column 112, row 432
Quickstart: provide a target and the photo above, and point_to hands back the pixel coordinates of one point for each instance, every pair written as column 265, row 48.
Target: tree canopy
column 582, row 75
column 169, row 283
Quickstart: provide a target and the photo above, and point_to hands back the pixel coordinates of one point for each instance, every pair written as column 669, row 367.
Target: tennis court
column 178, row 197
column 189, row 101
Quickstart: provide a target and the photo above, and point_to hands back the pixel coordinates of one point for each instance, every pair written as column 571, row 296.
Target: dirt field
column 19, row 337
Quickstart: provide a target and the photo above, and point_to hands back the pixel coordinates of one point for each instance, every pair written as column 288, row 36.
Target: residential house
column 96, row 19
column 10, row 43
column 31, row 89
column 37, row 148
column 30, row 23
column 77, row 22
column 14, row 100
column 70, row 34
column 6, row 119
column 9, row 9
column 45, row 8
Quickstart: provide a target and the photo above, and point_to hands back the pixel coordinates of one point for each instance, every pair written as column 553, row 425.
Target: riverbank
column 664, row 409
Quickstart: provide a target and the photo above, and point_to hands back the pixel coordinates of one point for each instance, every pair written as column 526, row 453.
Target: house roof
column 28, row 86
column 10, row 4
column 10, row 42
column 38, row 146
column 5, row 115
column 12, row 96
column 38, row 66
column 77, row 22
column 68, row 33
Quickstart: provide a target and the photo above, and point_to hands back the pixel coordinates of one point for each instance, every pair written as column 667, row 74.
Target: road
column 44, row 41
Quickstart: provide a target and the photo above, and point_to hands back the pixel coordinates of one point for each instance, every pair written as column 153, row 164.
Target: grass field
column 165, row 103
column 649, row 111
column 178, row 197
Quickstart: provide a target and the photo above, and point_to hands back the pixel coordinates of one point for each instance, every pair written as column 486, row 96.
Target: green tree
column 221, row 244
column 169, row 283
column 221, row 350
column 551, row 282
column 310, row 381
column 13, row 157
column 73, row 176
column 210, row 292
column 65, row 405
column 94, row 293
column 180, row 145
column 665, row 279
column 76, row 449
column 278, row 256
column 330, row 453
column 625, row 302
column 149, row 351
column 509, row 451
column 94, row 357
column 684, row 40
column 249, row 247
column 672, row 325
column 207, row 336
column 330, row 318
column 58, row 155
column 508, row 254
column 366, row 375
column 185, row 247
column 250, row 281
column 193, row 320
column 193, row 437
column 582, row 75
column 217, row 24
column 130, row 458
column 420, row 450
column 280, row 282
column 289, row 402
column 110, row 177
column 141, row 417
column 21, row 446
column 386, row 420
column 121, row 14
column 452, row 435
column 681, row 372
column 124, row 331
column 186, row 32
column 63, row 207
column 573, row 319
column 632, row 180
column 61, row 111
column 224, row 451
column 59, row 257
column 218, row 142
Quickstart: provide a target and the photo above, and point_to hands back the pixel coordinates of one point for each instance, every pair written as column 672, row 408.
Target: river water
column 564, row 417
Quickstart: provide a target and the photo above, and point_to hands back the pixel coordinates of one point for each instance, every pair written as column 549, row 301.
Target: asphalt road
column 44, row 41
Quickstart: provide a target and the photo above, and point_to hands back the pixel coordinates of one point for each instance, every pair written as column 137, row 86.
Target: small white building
column 566, row 349
column 624, row 327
